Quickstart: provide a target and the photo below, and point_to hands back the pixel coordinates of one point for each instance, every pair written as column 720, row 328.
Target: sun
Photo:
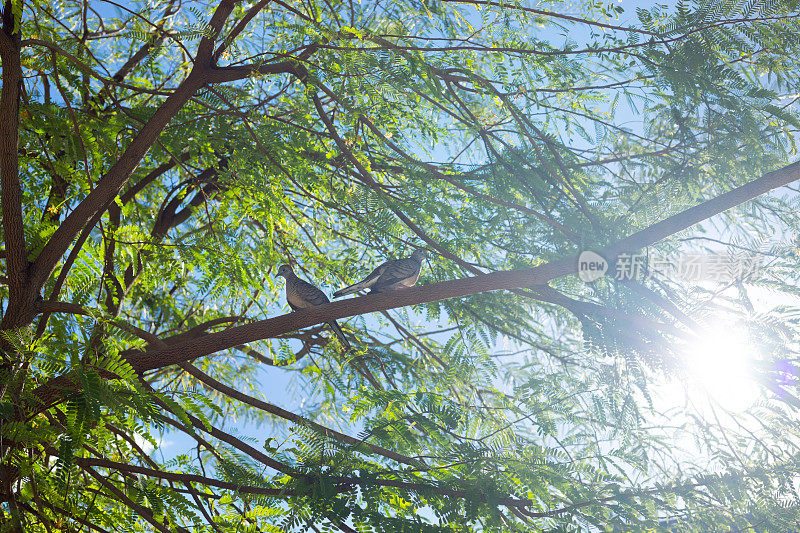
column 719, row 365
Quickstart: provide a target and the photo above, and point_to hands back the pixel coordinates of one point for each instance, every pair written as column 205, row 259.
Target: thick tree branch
column 206, row 46
column 289, row 66
column 226, row 74
column 112, row 182
column 568, row 303
column 251, row 13
column 16, row 258
column 506, row 280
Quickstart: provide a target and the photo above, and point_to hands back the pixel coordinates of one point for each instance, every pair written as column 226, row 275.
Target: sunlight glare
column 719, row 365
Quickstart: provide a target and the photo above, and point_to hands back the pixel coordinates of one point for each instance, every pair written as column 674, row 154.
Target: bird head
column 419, row 255
column 285, row 271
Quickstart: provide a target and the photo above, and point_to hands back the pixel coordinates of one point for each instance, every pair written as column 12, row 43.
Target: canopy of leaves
column 159, row 160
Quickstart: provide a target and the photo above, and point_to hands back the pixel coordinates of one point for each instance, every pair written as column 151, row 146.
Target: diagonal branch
column 229, row 439
column 504, row 280
column 182, row 477
column 287, row 415
column 251, row 13
column 141, row 510
column 112, row 182
column 240, row 72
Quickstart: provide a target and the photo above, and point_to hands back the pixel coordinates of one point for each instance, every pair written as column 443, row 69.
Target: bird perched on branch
column 391, row 275
column 301, row 294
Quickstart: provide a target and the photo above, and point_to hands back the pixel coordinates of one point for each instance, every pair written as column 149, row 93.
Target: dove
column 390, row 275
column 301, row 294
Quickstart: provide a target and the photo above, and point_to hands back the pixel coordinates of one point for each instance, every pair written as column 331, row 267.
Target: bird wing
column 301, row 294
column 398, row 272
column 312, row 294
column 365, row 283
column 376, row 273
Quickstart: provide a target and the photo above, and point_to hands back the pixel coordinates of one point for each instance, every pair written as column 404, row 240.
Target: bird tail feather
column 350, row 289
column 339, row 334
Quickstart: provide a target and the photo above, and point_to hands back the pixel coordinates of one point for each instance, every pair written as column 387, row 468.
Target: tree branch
column 289, row 66
column 16, row 258
column 181, row 477
column 251, row 13
column 504, row 280
column 230, row 439
column 287, row 415
column 112, row 182
column 142, row 511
